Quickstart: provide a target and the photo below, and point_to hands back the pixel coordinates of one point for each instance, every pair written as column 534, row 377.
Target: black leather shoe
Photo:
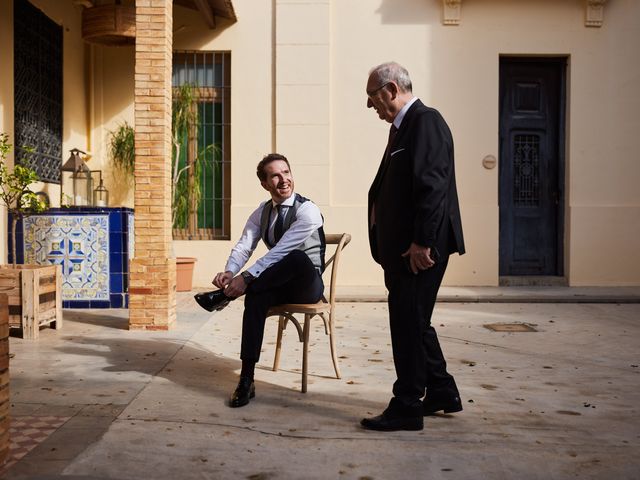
column 450, row 405
column 211, row 301
column 245, row 391
column 389, row 423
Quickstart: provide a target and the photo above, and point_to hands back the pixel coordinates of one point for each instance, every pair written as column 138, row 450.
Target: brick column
column 152, row 280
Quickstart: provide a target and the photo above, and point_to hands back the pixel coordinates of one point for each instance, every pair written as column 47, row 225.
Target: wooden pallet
column 35, row 297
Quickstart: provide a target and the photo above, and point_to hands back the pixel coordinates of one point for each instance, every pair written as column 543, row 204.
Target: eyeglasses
column 373, row 92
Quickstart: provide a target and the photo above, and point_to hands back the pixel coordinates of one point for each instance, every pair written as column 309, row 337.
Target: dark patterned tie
column 278, row 228
column 392, row 136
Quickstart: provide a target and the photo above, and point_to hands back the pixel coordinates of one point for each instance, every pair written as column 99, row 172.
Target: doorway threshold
column 533, row 281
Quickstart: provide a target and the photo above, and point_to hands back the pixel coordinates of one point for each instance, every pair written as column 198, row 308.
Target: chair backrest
column 341, row 240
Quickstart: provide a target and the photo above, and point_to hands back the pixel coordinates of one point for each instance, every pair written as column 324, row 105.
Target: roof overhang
column 210, row 9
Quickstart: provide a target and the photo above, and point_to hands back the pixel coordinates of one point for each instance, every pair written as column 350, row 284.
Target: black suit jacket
column 414, row 192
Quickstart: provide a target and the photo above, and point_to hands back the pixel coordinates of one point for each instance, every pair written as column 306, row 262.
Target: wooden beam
column 204, row 8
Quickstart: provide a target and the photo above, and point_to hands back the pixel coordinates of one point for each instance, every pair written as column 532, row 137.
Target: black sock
column 248, row 367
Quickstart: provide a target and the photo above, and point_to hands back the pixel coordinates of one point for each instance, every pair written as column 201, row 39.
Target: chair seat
column 311, row 308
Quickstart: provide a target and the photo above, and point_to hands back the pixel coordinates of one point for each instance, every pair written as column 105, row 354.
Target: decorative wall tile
column 80, row 244
column 93, row 245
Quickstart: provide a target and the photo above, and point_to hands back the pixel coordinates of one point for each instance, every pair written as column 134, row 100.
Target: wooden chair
column 325, row 309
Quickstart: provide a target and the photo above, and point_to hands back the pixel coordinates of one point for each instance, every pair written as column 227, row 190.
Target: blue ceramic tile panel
column 115, row 259
column 116, row 282
column 99, row 304
column 115, row 221
column 80, row 243
column 93, row 245
column 19, row 241
column 116, row 300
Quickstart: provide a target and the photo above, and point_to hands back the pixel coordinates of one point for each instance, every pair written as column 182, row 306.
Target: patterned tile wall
column 92, row 244
column 80, row 244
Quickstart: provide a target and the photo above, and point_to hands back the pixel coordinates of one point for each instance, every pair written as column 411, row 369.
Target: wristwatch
column 247, row 277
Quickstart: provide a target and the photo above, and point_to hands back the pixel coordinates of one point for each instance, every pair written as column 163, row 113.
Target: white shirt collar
column 287, row 203
column 400, row 116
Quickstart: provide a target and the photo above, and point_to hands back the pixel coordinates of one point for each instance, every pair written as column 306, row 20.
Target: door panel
column 531, row 107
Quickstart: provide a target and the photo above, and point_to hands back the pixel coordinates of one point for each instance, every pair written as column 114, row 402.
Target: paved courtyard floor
column 96, row 401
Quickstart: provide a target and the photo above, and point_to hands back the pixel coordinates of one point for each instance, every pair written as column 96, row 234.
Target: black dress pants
column 419, row 362
column 294, row 279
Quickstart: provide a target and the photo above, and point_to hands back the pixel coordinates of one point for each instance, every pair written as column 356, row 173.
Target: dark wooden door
column 531, row 166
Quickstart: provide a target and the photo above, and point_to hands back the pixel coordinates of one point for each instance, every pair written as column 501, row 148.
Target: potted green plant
column 15, row 194
column 34, row 290
column 122, row 148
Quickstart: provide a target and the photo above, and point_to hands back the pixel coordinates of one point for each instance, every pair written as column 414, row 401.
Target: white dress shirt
column 308, row 220
column 403, row 111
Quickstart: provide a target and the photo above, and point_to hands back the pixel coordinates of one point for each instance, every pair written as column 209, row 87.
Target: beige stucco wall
column 454, row 69
column 298, row 78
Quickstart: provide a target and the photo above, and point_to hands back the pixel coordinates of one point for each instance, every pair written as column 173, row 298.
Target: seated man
column 290, row 272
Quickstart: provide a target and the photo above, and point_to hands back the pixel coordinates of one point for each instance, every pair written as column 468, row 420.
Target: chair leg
column 305, row 351
column 276, row 359
column 334, row 354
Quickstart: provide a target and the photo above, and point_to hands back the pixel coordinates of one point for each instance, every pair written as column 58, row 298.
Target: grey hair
column 393, row 72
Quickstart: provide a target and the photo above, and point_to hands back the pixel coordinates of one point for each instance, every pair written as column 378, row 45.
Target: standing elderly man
column 290, row 272
column 414, row 225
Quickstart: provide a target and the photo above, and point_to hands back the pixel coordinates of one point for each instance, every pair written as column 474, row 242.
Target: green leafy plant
column 15, row 193
column 122, row 148
column 186, row 172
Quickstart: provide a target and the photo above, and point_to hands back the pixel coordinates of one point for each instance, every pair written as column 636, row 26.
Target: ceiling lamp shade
column 110, row 25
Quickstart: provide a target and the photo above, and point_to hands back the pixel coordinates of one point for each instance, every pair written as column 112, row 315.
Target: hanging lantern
column 76, row 188
column 100, row 194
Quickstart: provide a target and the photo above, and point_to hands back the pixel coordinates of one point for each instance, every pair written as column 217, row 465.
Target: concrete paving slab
column 559, row 402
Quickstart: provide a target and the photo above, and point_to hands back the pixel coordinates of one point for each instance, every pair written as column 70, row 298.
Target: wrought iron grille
column 210, row 74
column 526, row 163
column 37, row 91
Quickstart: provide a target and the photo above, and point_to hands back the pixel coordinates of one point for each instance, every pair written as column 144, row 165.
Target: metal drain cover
column 510, row 327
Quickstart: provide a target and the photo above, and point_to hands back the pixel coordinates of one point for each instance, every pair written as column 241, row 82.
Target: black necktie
column 278, row 228
column 392, row 136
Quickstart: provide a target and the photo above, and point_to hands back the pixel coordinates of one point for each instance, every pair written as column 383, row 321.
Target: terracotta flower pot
column 184, row 273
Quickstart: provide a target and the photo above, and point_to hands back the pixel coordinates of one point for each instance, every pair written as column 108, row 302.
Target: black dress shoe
column 387, row 422
column 450, row 405
column 245, row 391
column 211, row 301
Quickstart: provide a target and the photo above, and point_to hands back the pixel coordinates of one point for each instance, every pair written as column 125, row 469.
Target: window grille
column 209, row 146
column 526, row 178
column 37, row 91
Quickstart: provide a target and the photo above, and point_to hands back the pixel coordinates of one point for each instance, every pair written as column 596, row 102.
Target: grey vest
column 314, row 246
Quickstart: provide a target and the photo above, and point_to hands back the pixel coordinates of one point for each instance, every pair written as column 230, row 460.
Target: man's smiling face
column 279, row 181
